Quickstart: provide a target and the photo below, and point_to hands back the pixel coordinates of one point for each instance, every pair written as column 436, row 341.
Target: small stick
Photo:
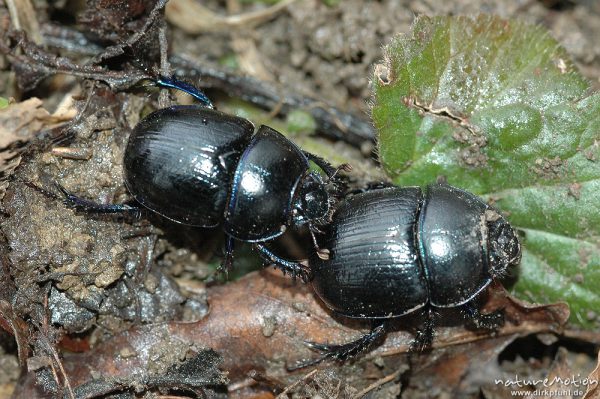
column 379, row 383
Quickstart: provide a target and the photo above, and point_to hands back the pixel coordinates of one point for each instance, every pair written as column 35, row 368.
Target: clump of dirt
column 96, row 267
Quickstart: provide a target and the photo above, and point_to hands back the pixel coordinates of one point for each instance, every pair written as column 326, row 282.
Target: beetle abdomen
column 180, row 162
column 374, row 269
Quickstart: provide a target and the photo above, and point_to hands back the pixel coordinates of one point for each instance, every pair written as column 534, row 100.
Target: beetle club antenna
column 322, row 253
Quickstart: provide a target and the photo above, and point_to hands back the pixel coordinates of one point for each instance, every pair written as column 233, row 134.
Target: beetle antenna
column 337, row 183
column 322, row 253
column 332, row 178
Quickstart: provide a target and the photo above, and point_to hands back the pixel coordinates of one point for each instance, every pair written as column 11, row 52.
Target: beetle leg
column 424, row 335
column 227, row 262
column 322, row 253
column 328, row 168
column 286, row 266
column 81, row 204
column 321, row 163
column 345, row 351
column 346, row 167
column 174, row 83
column 483, row 321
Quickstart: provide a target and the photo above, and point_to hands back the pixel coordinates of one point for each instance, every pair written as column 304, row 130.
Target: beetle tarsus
column 80, row 204
column 174, row 83
column 343, row 352
column 483, row 321
column 346, row 167
column 322, row 253
column 41, row 190
column 295, row 269
column 227, row 262
column 330, row 170
column 424, row 335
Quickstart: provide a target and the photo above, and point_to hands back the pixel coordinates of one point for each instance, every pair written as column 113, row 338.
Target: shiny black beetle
column 200, row 167
column 396, row 250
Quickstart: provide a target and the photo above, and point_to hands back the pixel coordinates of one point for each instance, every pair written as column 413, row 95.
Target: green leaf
column 496, row 107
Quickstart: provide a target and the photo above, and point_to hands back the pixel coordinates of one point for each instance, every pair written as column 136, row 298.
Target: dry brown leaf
column 261, row 322
column 191, row 17
column 13, row 324
column 560, row 371
column 19, row 123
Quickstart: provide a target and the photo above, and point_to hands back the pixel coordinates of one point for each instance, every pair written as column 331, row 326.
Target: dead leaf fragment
column 235, row 325
column 193, row 18
column 19, row 123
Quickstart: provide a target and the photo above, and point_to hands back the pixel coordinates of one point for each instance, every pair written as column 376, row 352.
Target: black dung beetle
column 395, row 250
column 201, row 167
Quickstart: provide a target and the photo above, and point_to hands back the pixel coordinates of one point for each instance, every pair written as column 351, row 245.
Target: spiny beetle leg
column 174, row 83
column 295, row 269
column 344, row 352
column 483, row 321
column 329, row 169
column 227, row 262
column 425, row 334
column 84, row 205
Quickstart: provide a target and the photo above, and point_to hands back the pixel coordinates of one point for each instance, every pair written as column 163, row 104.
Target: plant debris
column 97, row 306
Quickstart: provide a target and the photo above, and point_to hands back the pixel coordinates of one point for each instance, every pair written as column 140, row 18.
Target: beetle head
column 504, row 246
column 313, row 201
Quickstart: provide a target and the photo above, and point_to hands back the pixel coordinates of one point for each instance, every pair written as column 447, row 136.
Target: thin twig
column 43, row 330
column 379, row 383
column 331, row 122
column 165, row 67
column 23, row 17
